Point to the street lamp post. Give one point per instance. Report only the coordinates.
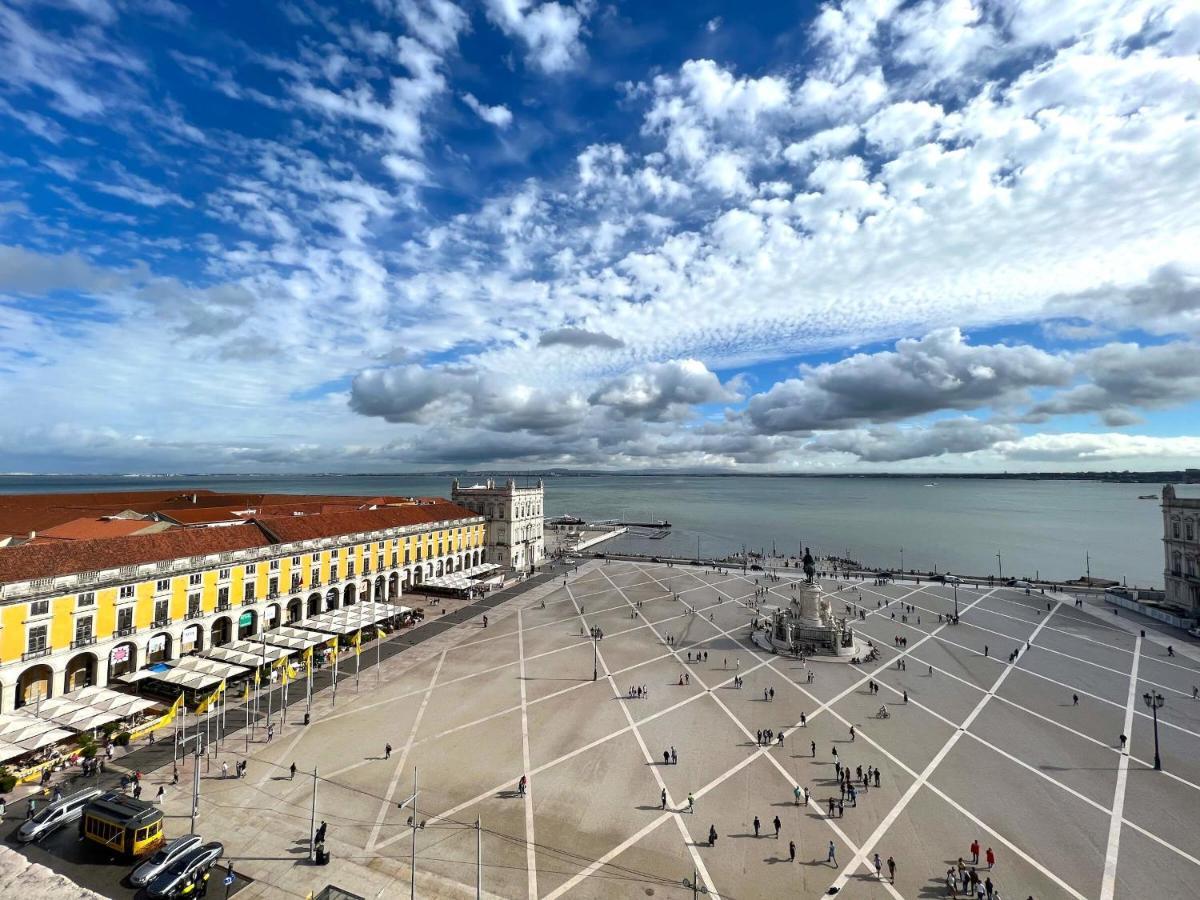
(1155, 701)
(901, 559)
(1000, 564)
(956, 600)
(595, 653)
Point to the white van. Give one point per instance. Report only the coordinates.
(55, 815)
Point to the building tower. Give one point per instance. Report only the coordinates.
(514, 520)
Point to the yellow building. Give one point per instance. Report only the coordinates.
(78, 612)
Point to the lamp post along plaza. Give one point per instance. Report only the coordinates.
(1155, 701)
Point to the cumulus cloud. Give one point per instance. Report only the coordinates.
(498, 115)
(579, 337)
(663, 390)
(891, 443)
(1088, 448)
(940, 371)
(551, 31)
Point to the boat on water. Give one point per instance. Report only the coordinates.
(1147, 496)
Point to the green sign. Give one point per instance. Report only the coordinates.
(247, 618)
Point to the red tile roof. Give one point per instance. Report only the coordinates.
(304, 528)
(88, 529)
(38, 560)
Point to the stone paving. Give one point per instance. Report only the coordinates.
(984, 748)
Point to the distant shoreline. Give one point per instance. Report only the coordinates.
(1190, 476)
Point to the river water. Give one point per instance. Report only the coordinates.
(1039, 528)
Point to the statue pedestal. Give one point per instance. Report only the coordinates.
(810, 608)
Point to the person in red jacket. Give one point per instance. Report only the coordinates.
(975, 852)
(991, 857)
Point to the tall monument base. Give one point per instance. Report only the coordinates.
(807, 626)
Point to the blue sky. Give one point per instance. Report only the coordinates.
(942, 235)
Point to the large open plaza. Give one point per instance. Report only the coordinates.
(984, 749)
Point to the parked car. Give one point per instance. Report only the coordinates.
(167, 856)
(951, 579)
(55, 815)
(1018, 583)
(173, 880)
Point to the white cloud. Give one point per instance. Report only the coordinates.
(498, 115)
(551, 31)
(1082, 448)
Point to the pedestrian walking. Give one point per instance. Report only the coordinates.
(852, 733)
(1124, 740)
(674, 757)
(270, 733)
(292, 772)
(712, 835)
(159, 796)
(757, 825)
(796, 794)
(975, 852)
(831, 857)
(891, 864)
(777, 825)
(691, 803)
(224, 769)
(666, 757)
(1074, 699)
(990, 857)
(137, 792)
(387, 751)
(813, 745)
(320, 835)
(174, 774)
(663, 799)
(791, 851)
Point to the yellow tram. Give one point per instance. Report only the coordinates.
(123, 825)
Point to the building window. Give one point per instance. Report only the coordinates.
(223, 575)
(223, 596)
(39, 608)
(162, 585)
(1191, 566)
(1175, 527)
(350, 569)
(195, 579)
(37, 638)
(295, 560)
(273, 586)
(274, 565)
(314, 576)
(1177, 563)
(1190, 529)
(83, 629)
(193, 604)
(252, 568)
(333, 572)
(162, 611)
(248, 594)
(88, 599)
(125, 620)
(126, 592)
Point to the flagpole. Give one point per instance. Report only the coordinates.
(357, 661)
(336, 642)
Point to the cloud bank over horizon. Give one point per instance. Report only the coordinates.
(933, 235)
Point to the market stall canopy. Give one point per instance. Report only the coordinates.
(260, 650)
(461, 581)
(188, 678)
(293, 638)
(99, 698)
(350, 619)
(28, 732)
(69, 713)
(211, 667)
(237, 657)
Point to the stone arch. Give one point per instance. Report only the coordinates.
(122, 660)
(80, 672)
(332, 599)
(271, 615)
(476, 558)
(393, 584)
(250, 627)
(314, 604)
(36, 681)
(349, 594)
(196, 632)
(441, 569)
(295, 609)
(379, 595)
(428, 571)
(159, 647)
(221, 632)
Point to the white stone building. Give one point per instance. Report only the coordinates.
(514, 516)
(1181, 546)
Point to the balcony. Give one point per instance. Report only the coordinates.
(83, 642)
(161, 623)
(223, 606)
(193, 614)
(273, 595)
(125, 632)
(316, 583)
(249, 601)
(35, 654)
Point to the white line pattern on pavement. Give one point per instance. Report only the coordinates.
(530, 851)
(1109, 885)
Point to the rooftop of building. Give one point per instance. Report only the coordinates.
(70, 543)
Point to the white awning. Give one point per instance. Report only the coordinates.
(29, 732)
(68, 713)
(259, 650)
(210, 667)
(124, 705)
(293, 638)
(461, 581)
(235, 657)
(188, 678)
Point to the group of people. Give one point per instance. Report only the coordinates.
(767, 736)
(637, 692)
(965, 878)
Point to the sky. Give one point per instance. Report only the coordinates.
(405, 235)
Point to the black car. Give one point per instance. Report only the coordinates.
(174, 880)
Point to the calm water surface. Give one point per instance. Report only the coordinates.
(1038, 527)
